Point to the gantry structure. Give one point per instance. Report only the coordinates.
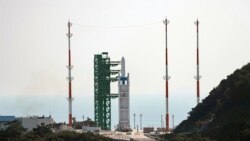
(103, 76)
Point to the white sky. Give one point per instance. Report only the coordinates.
(33, 52)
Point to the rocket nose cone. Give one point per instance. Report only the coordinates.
(123, 61)
(123, 67)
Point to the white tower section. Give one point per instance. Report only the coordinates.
(123, 88)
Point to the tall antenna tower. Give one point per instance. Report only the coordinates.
(134, 120)
(161, 123)
(70, 78)
(197, 77)
(166, 76)
(173, 121)
(140, 121)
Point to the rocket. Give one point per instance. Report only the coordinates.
(124, 106)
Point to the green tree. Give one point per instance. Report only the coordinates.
(13, 132)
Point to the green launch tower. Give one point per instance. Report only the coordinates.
(103, 76)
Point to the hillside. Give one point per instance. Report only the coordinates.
(225, 114)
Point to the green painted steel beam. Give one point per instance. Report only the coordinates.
(113, 96)
(102, 95)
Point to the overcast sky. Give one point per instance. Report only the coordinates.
(33, 52)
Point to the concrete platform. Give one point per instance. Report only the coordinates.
(126, 136)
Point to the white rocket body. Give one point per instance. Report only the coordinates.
(124, 108)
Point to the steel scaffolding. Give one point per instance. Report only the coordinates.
(103, 76)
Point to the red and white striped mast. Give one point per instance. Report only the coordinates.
(70, 99)
(167, 77)
(197, 77)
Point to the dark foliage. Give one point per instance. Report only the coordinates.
(15, 132)
(12, 133)
(225, 114)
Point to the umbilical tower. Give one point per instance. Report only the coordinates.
(103, 76)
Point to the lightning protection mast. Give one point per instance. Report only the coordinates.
(197, 77)
(166, 76)
(70, 99)
(140, 121)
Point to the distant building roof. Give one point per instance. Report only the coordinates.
(7, 118)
